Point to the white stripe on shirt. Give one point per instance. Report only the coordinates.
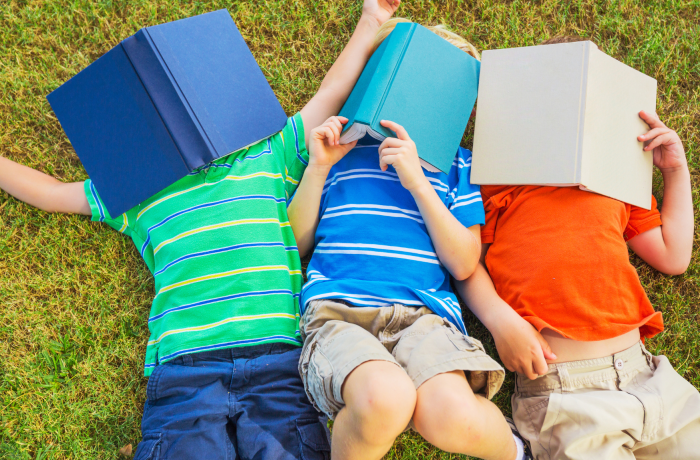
(378, 254)
(376, 213)
(379, 246)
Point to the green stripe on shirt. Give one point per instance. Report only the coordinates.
(222, 252)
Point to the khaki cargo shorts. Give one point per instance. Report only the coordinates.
(339, 337)
(630, 405)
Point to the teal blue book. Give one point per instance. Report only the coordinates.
(422, 82)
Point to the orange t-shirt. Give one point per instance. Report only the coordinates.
(559, 257)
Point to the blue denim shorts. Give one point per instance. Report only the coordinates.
(235, 404)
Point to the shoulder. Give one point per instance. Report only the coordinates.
(463, 162)
(292, 133)
(463, 153)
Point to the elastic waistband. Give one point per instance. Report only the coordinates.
(575, 374)
(230, 354)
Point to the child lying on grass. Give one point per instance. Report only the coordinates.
(385, 344)
(224, 342)
(568, 312)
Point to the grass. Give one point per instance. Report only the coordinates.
(74, 295)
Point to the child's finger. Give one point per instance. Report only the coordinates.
(651, 119)
(390, 142)
(546, 349)
(389, 151)
(653, 133)
(387, 160)
(328, 134)
(336, 133)
(529, 372)
(397, 128)
(660, 140)
(539, 365)
(336, 122)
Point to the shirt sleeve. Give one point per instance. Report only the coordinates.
(642, 220)
(464, 198)
(291, 153)
(100, 214)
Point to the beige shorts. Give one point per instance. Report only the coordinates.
(630, 405)
(339, 337)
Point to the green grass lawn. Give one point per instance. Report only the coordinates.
(75, 295)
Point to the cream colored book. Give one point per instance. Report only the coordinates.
(563, 115)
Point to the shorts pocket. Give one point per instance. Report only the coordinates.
(549, 421)
(314, 441)
(152, 385)
(149, 447)
(463, 342)
(319, 383)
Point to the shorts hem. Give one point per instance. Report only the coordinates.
(495, 373)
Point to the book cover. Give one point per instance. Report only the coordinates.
(563, 115)
(167, 100)
(420, 81)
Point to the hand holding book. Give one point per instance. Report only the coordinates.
(664, 142)
(402, 154)
(325, 149)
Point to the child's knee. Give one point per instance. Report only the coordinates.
(444, 414)
(380, 391)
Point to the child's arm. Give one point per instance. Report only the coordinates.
(340, 79)
(520, 346)
(41, 190)
(325, 150)
(668, 248)
(457, 247)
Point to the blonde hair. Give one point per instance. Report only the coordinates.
(442, 31)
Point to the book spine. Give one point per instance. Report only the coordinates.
(399, 53)
(184, 128)
(381, 80)
(585, 68)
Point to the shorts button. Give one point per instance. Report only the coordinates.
(619, 364)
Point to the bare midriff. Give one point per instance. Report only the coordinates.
(576, 350)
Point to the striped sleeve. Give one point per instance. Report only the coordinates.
(293, 154)
(464, 199)
(100, 214)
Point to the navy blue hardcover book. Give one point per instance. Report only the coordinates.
(165, 101)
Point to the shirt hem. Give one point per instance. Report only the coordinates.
(294, 340)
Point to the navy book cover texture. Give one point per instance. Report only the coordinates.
(165, 101)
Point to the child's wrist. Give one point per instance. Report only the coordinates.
(422, 188)
(370, 20)
(681, 169)
(320, 171)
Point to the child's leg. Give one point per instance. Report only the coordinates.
(450, 416)
(272, 418)
(349, 374)
(379, 400)
(186, 413)
(448, 413)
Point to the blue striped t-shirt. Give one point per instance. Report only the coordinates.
(372, 247)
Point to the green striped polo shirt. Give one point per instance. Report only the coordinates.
(221, 250)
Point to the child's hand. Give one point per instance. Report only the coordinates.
(381, 10)
(401, 153)
(665, 143)
(521, 347)
(325, 149)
